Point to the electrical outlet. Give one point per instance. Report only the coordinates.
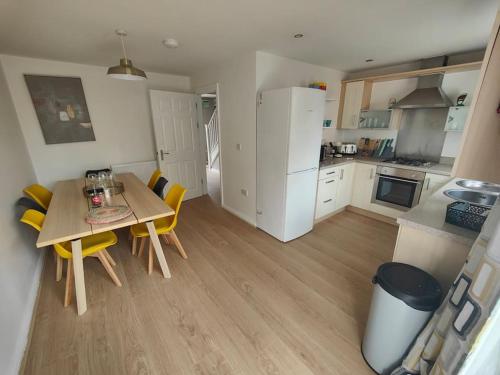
(238, 146)
(244, 192)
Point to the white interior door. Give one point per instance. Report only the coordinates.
(176, 128)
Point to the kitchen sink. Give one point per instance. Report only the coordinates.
(475, 197)
(479, 185)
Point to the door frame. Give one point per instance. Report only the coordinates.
(208, 89)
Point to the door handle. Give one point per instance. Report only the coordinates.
(342, 174)
(371, 174)
(163, 153)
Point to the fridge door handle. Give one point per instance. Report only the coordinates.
(305, 170)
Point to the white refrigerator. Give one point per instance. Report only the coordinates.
(289, 130)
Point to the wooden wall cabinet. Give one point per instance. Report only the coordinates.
(354, 97)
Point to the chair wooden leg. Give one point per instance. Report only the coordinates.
(134, 245)
(109, 258)
(177, 243)
(150, 258)
(68, 293)
(165, 239)
(141, 248)
(59, 266)
(108, 268)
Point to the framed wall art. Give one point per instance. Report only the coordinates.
(61, 108)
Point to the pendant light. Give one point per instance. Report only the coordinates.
(125, 70)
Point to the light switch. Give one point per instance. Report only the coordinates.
(244, 192)
(238, 146)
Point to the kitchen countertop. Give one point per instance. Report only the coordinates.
(429, 216)
(442, 169)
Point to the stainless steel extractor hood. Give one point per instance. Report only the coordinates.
(428, 93)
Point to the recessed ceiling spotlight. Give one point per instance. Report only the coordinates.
(298, 36)
(170, 43)
(369, 60)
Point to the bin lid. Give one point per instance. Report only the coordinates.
(410, 284)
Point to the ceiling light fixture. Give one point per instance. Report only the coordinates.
(125, 70)
(298, 36)
(369, 60)
(170, 43)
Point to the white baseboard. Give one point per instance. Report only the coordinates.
(24, 333)
(243, 217)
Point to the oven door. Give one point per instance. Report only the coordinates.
(395, 192)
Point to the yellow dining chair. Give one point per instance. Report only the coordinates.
(164, 226)
(39, 194)
(94, 246)
(43, 196)
(154, 179)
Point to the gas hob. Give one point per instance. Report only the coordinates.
(412, 162)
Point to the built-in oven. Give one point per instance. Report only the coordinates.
(397, 188)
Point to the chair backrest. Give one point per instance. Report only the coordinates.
(30, 204)
(35, 219)
(96, 171)
(154, 179)
(39, 194)
(174, 199)
(160, 186)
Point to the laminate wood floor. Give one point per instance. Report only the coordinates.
(243, 303)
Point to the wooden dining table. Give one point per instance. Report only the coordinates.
(68, 209)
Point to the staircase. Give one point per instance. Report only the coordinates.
(212, 134)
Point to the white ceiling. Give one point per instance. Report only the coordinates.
(338, 33)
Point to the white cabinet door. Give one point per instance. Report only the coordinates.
(352, 104)
(344, 187)
(364, 175)
(325, 199)
(432, 182)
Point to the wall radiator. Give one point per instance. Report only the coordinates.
(142, 169)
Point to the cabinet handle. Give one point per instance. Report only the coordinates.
(428, 183)
(354, 121)
(329, 182)
(342, 174)
(371, 174)
(328, 200)
(332, 172)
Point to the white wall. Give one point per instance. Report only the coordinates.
(274, 72)
(237, 110)
(20, 262)
(119, 111)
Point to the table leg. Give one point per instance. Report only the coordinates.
(158, 250)
(81, 297)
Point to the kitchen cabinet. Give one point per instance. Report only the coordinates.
(344, 185)
(327, 192)
(455, 121)
(441, 256)
(354, 97)
(364, 177)
(432, 182)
